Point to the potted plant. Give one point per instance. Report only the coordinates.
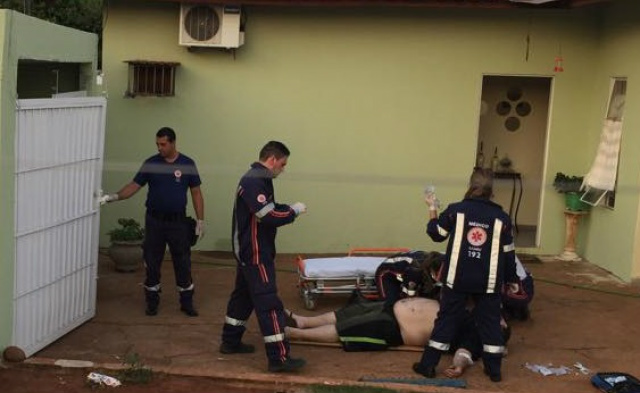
(570, 186)
(126, 245)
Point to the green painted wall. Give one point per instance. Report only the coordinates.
(25, 37)
(612, 236)
(374, 104)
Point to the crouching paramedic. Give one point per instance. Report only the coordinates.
(515, 304)
(480, 257)
(256, 217)
(408, 274)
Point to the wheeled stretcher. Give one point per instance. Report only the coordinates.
(341, 275)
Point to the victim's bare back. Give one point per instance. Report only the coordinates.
(415, 317)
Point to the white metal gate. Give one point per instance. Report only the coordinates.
(58, 149)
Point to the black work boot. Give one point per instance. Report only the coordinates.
(153, 300)
(427, 364)
(493, 376)
(186, 303)
(427, 372)
(229, 349)
(492, 366)
(287, 365)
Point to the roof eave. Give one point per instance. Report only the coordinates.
(489, 4)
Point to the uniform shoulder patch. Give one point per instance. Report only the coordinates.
(261, 198)
(477, 236)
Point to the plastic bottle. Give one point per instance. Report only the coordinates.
(495, 161)
(480, 158)
(429, 190)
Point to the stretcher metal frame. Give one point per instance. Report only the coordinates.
(311, 288)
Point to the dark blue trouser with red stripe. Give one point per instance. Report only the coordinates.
(486, 314)
(255, 289)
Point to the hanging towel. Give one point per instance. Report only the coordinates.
(602, 174)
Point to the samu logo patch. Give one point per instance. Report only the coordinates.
(476, 236)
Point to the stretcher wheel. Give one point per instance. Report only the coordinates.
(308, 297)
(309, 301)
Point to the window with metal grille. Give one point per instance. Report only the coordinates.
(151, 78)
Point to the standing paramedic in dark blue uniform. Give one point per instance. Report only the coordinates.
(169, 175)
(480, 257)
(256, 217)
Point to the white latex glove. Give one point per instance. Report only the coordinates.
(514, 287)
(432, 201)
(299, 208)
(107, 198)
(200, 229)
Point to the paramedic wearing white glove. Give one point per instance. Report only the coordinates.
(256, 218)
(169, 175)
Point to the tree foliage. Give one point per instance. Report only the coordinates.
(83, 15)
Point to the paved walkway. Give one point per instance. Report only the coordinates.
(580, 314)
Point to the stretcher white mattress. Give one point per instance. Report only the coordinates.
(341, 267)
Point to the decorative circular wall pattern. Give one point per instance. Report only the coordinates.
(514, 93)
(523, 108)
(512, 123)
(503, 108)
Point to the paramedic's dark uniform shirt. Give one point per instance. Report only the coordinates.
(256, 217)
(480, 252)
(168, 182)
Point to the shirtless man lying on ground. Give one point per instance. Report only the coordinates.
(370, 326)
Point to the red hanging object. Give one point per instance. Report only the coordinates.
(558, 64)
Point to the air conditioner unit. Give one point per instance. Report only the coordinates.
(208, 25)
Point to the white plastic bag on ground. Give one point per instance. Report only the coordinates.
(101, 379)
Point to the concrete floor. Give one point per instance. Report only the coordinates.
(580, 313)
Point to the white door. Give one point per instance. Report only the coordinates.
(58, 149)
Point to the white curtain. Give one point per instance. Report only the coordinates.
(602, 174)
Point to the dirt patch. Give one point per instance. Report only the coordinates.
(45, 379)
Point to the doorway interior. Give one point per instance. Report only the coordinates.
(512, 139)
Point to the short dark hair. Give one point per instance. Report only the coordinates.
(274, 148)
(168, 132)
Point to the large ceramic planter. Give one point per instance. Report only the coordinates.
(126, 255)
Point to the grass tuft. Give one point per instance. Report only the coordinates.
(135, 372)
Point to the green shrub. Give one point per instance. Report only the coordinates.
(564, 183)
(129, 230)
